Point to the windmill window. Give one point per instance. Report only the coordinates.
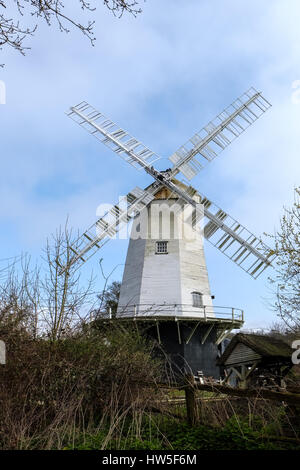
(197, 299)
(161, 248)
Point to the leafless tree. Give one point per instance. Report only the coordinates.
(109, 297)
(14, 30)
(286, 280)
(64, 300)
(41, 299)
(15, 308)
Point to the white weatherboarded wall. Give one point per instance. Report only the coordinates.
(151, 280)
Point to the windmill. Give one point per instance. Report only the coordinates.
(165, 282)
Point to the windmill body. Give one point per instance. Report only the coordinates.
(165, 282)
(165, 271)
(165, 286)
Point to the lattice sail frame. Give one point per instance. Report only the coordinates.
(110, 134)
(225, 233)
(220, 229)
(107, 226)
(213, 138)
(234, 240)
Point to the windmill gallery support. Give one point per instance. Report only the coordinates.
(165, 282)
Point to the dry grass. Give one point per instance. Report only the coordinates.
(52, 392)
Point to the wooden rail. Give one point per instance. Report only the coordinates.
(191, 387)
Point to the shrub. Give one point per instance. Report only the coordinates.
(51, 390)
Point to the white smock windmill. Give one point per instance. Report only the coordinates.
(165, 276)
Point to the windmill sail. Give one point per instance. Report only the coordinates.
(205, 145)
(107, 226)
(220, 229)
(224, 232)
(113, 136)
(234, 240)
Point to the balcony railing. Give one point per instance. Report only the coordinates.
(179, 311)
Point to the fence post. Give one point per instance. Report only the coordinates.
(191, 402)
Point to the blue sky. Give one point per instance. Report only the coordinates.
(161, 76)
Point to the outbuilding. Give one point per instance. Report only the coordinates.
(256, 360)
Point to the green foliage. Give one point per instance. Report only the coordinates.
(109, 299)
(235, 435)
(95, 442)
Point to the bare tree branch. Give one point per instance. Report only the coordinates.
(13, 33)
(286, 281)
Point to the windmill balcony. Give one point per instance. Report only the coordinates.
(206, 313)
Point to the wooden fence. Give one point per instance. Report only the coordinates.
(191, 387)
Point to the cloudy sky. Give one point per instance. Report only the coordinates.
(161, 76)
